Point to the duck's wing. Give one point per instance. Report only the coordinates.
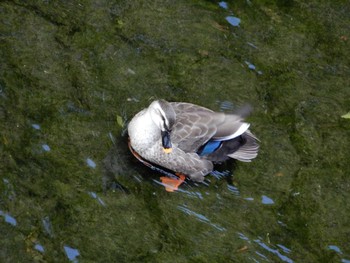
(196, 125)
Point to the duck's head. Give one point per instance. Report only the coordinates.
(163, 115)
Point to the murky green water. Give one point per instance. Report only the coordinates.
(71, 191)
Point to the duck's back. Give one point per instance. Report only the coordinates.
(195, 126)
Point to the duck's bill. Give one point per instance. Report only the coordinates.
(166, 142)
(167, 150)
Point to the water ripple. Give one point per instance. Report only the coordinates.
(233, 189)
(335, 248)
(269, 249)
(274, 251)
(95, 196)
(200, 217)
(188, 193)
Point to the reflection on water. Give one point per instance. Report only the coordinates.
(47, 226)
(285, 249)
(220, 174)
(191, 193)
(253, 67)
(71, 107)
(281, 223)
(46, 148)
(200, 217)
(195, 194)
(70, 75)
(274, 251)
(225, 105)
(223, 5)
(270, 249)
(95, 196)
(90, 163)
(233, 189)
(39, 248)
(250, 65)
(338, 250)
(335, 248)
(242, 236)
(252, 45)
(266, 200)
(9, 191)
(71, 253)
(36, 126)
(111, 136)
(234, 21)
(8, 218)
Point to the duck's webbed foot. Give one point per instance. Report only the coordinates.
(172, 184)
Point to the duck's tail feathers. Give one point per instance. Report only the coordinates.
(249, 150)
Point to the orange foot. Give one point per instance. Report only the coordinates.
(172, 184)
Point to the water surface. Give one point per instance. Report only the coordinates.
(72, 75)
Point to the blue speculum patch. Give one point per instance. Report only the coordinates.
(209, 148)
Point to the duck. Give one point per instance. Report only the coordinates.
(189, 139)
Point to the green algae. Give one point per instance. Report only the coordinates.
(79, 70)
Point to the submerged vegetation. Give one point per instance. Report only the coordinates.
(73, 73)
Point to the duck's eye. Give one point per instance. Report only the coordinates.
(166, 123)
(166, 128)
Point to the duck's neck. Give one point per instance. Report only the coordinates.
(143, 132)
